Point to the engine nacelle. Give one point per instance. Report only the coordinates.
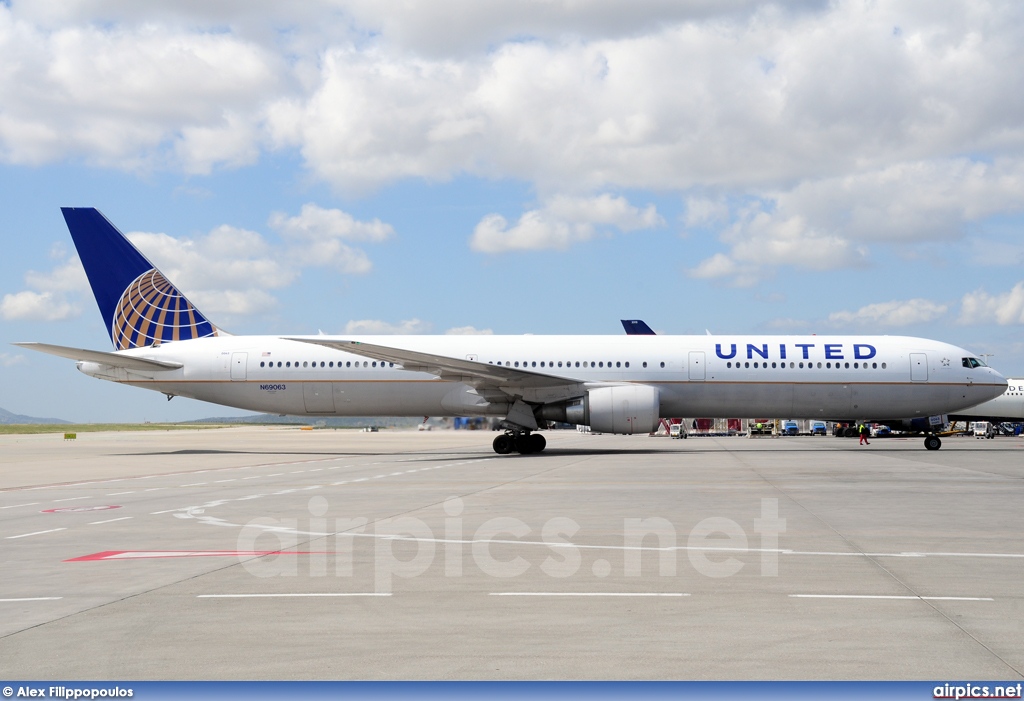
(627, 409)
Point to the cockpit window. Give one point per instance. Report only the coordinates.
(974, 363)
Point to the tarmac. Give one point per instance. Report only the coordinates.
(277, 553)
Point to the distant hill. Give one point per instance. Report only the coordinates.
(7, 417)
(332, 421)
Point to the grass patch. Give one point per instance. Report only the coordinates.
(20, 429)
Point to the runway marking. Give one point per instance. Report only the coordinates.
(57, 501)
(34, 598)
(361, 479)
(271, 596)
(157, 513)
(26, 535)
(195, 484)
(161, 554)
(118, 494)
(111, 520)
(153, 489)
(585, 593)
(317, 469)
(254, 477)
(872, 596)
(16, 506)
(334, 484)
(251, 496)
(233, 479)
(297, 472)
(276, 474)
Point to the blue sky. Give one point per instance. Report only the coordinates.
(524, 167)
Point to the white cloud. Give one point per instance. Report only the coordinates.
(381, 328)
(230, 271)
(314, 222)
(561, 222)
(315, 237)
(468, 331)
(118, 94)
(7, 360)
(36, 306)
(895, 313)
(979, 307)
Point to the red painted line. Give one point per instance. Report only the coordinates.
(165, 554)
(67, 509)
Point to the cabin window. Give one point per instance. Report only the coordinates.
(847, 365)
(288, 364)
(261, 363)
(746, 365)
(883, 366)
(645, 363)
(627, 363)
(662, 363)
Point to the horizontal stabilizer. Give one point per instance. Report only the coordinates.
(117, 360)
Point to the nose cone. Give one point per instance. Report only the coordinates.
(986, 384)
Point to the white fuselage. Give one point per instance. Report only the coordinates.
(1009, 406)
(834, 377)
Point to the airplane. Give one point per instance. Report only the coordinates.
(1006, 408)
(614, 384)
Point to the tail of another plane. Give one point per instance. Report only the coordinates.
(140, 307)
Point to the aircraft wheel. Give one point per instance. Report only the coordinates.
(538, 442)
(524, 444)
(503, 444)
(850, 432)
(932, 443)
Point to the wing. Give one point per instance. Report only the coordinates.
(117, 360)
(494, 382)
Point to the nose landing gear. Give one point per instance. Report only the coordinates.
(932, 442)
(521, 442)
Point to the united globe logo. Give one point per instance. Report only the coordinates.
(152, 310)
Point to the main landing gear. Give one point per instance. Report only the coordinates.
(932, 442)
(524, 443)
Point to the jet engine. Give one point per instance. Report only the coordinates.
(625, 409)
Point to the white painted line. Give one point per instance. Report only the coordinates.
(16, 506)
(153, 489)
(228, 480)
(585, 593)
(297, 472)
(911, 598)
(276, 474)
(26, 535)
(377, 477)
(35, 598)
(251, 496)
(253, 477)
(319, 469)
(396, 474)
(157, 513)
(123, 518)
(269, 596)
(119, 494)
(361, 479)
(57, 501)
(335, 484)
(195, 484)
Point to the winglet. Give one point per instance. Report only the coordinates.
(636, 327)
(140, 306)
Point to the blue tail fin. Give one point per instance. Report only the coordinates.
(140, 307)
(636, 327)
